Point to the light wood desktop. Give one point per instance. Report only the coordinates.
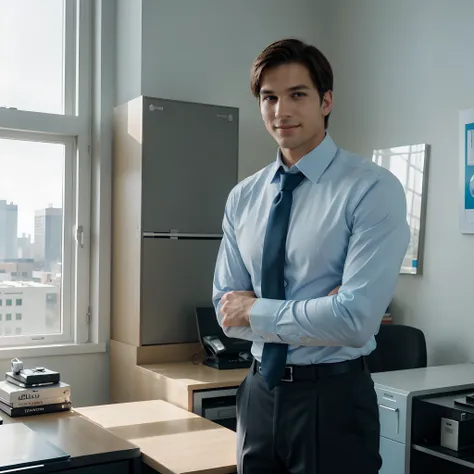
(172, 440)
(182, 380)
(164, 373)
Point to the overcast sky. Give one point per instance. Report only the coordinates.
(31, 78)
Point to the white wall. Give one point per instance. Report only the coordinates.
(202, 51)
(402, 71)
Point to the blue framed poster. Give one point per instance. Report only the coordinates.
(466, 168)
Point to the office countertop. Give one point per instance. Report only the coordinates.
(83, 440)
(195, 376)
(419, 381)
(172, 440)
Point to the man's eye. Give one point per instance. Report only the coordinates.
(298, 95)
(269, 98)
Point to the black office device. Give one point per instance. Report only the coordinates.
(222, 352)
(31, 377)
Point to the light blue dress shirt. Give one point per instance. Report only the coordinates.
(347, 226)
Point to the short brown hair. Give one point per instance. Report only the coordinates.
(288, 51)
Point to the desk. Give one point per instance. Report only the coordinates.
(93, 450)
(396, 392)
(185, 384)
(166, 373)
(172, 440)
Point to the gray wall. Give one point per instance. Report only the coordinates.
(202, 51)
(403, 70)
(129, 49)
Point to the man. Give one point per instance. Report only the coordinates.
(312, 249)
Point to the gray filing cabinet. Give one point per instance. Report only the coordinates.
(395, 392)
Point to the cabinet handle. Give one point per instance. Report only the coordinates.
(394, 410)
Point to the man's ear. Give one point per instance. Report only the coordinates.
(327, 103)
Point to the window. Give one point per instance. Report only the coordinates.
(9, 317)
(0, 316)
(1, 302)
(8, 331)
(45, 122)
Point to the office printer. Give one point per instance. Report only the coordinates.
(222, 352)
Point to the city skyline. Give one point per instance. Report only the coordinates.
(31, 176)
(31, 233)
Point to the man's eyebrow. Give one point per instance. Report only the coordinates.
(290, 89)
(299, 87)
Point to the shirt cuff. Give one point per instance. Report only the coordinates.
(263, 318)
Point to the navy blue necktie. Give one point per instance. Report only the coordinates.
(273, 264)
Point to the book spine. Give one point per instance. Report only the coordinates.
(38, 401)
(34, 395)
(27, 411)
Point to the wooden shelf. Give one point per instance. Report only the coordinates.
(464, 458)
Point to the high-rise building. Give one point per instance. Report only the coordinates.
(48, 237)
(25, 246)
(8, 230)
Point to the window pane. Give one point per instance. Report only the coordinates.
(31, 233)
(32, 55)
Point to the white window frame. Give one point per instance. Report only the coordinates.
(73, 129)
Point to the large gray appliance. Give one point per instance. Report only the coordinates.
(190, 159)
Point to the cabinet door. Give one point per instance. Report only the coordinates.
(393, 457)
(176, 278)
(190, 157)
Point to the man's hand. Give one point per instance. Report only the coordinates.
(235, 308)
(335, 291)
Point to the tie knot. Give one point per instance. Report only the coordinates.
(289, 181)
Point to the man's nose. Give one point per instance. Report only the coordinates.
(283, 108)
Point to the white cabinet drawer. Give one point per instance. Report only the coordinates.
(393, 457)
(392, 410)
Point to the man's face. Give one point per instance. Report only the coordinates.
(291, 107)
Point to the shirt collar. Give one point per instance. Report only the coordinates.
(311, 165)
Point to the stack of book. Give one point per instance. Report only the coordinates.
(23, 401)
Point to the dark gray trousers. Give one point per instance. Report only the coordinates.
(327, 426)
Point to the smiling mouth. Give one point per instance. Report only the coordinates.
(286, 129)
